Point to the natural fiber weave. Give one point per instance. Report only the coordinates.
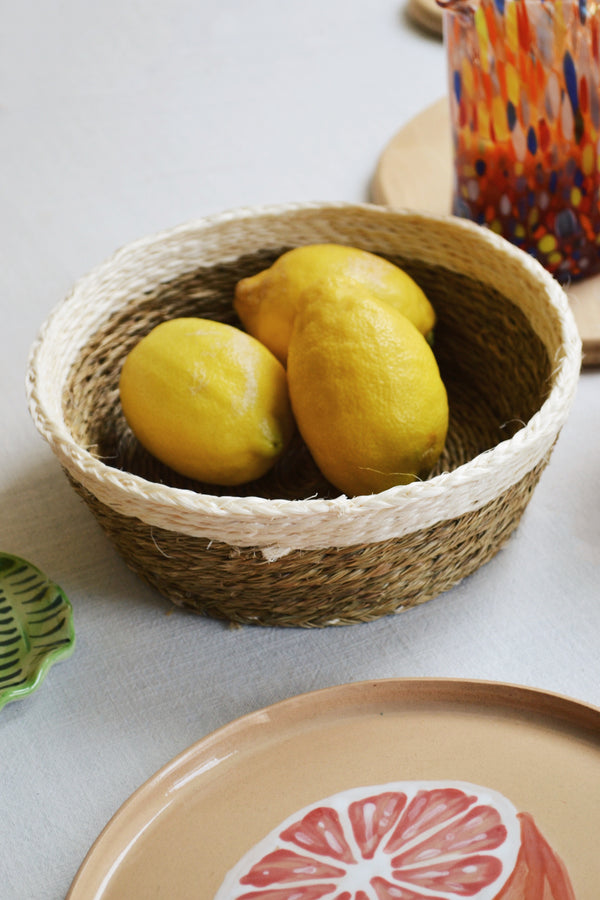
(508, 352)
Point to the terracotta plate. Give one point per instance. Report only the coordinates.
(180, 833)
(414, 171)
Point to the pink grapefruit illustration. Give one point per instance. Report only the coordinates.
(403, 841)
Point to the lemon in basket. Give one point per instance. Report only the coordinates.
(367, 394)
(208, 400)
(267, 302)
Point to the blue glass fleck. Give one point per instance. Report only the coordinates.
(457, 85)
(571, 80)
(511, 115)
(566, 223)
(532, 140)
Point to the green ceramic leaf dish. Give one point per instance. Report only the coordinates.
(36, 627)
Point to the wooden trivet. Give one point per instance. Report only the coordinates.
(427, 14)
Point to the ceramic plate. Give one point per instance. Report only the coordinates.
(36, 627)
(179, 834)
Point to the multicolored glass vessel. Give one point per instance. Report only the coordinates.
(524, 92)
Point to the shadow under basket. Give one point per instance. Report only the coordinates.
(288, 550)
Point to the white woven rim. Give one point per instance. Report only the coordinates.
(277, 526)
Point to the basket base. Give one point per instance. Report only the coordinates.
(314, 588)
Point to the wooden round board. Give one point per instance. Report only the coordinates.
(427, 14)
(415, 171)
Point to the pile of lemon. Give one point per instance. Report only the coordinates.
(337, 344)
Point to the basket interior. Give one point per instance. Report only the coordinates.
(495, 368)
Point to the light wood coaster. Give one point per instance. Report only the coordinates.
(415, 172)
(427, 14)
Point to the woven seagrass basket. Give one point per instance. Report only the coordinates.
(288, 550)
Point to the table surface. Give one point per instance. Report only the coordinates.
(119, 120)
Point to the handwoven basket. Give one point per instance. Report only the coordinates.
(288, 550)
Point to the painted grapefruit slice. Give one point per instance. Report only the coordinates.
(402, 841)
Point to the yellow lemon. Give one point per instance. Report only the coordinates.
(267, 302)
(208, 400)
(367, 394)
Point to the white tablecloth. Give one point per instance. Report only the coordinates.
(118, 119)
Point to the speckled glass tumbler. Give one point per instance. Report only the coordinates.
(524, 93)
